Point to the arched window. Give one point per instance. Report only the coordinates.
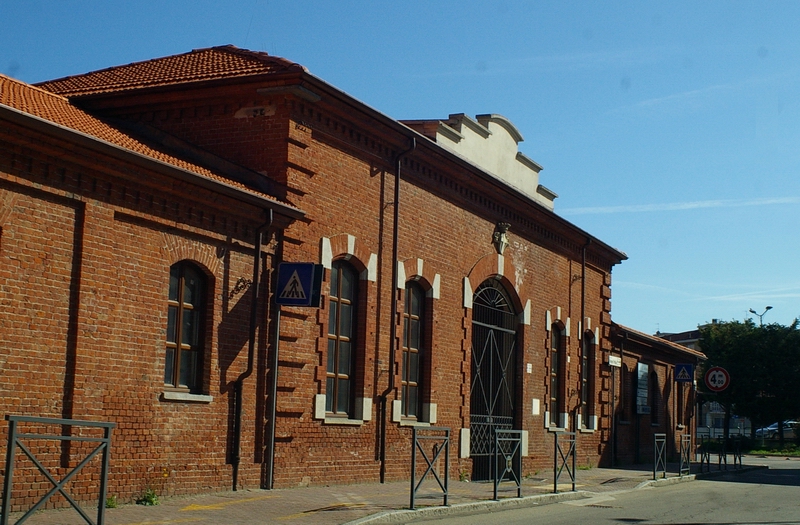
(413, 353)
(587, 379)
(655, 398)
(342, 321)
(186, 312)
(557, 365)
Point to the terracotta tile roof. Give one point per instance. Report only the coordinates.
(59, 111)
(197, 65)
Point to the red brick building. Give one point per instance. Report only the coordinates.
(648, 396)
(132, 206)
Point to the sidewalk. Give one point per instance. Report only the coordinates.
(362, 504)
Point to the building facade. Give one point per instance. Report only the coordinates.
(654, 392)
(452, 294)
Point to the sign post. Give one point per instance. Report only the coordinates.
(298, 284)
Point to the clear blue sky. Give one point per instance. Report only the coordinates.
(670, 130)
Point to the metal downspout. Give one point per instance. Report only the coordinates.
(239, 385)
(273, 403)
(393, 314)
(582, 335)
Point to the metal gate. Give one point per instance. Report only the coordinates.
(494, 368)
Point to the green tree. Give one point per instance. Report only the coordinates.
(763, 363)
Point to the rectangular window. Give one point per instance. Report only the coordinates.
(413, 355)
(587, 376)
(556, 396)
(342, 316)
(183, 364)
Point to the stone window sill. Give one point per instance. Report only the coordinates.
(185, 397)
(413, 423)
(343, 421)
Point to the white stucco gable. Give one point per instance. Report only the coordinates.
(491, 142)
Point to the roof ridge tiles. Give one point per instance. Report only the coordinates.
(212, 63)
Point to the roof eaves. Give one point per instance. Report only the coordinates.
(425, 141)
(99, 145)
(658, 341)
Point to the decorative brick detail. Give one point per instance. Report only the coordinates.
(498, 267)
(416, 270)
(176, 249)
(7, 200)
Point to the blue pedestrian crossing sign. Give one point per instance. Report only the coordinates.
(298, 284)
(684, 373)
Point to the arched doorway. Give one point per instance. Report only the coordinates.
(494, 372)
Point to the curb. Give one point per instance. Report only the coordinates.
(476, 507)
(718, 473)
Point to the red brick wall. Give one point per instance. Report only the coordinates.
(335, 173)
(84, 270)
(341, 175)
(635, 432)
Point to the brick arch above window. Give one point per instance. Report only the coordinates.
(556, 315)
(176, 249)
(416, 270)
(494, 266)
(7, 201)
(348, 247)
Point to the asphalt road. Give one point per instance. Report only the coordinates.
(757, 497)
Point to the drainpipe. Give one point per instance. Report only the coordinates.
(393, 314)
(273, 400)
(581, 336)
(239, 384)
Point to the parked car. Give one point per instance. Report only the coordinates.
(771, 432)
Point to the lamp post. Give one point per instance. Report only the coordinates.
(761, 323)
(761, 315)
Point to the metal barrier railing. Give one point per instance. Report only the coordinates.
(558, 453)
(722, 454)
(15, 438)
(508, 457)
(686, 461)
(659, 455)
(705, 454)
(737, 452)
(442, 435)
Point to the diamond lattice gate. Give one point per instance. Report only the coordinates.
(494, 369)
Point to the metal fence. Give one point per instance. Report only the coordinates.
(507, 458)
(686, 460)
(724, 448)
(564, 461)
(15, 441)
(440, 437)
(659, 455)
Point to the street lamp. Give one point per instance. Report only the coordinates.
(761, 315)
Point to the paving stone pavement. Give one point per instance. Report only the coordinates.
(365, 503)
